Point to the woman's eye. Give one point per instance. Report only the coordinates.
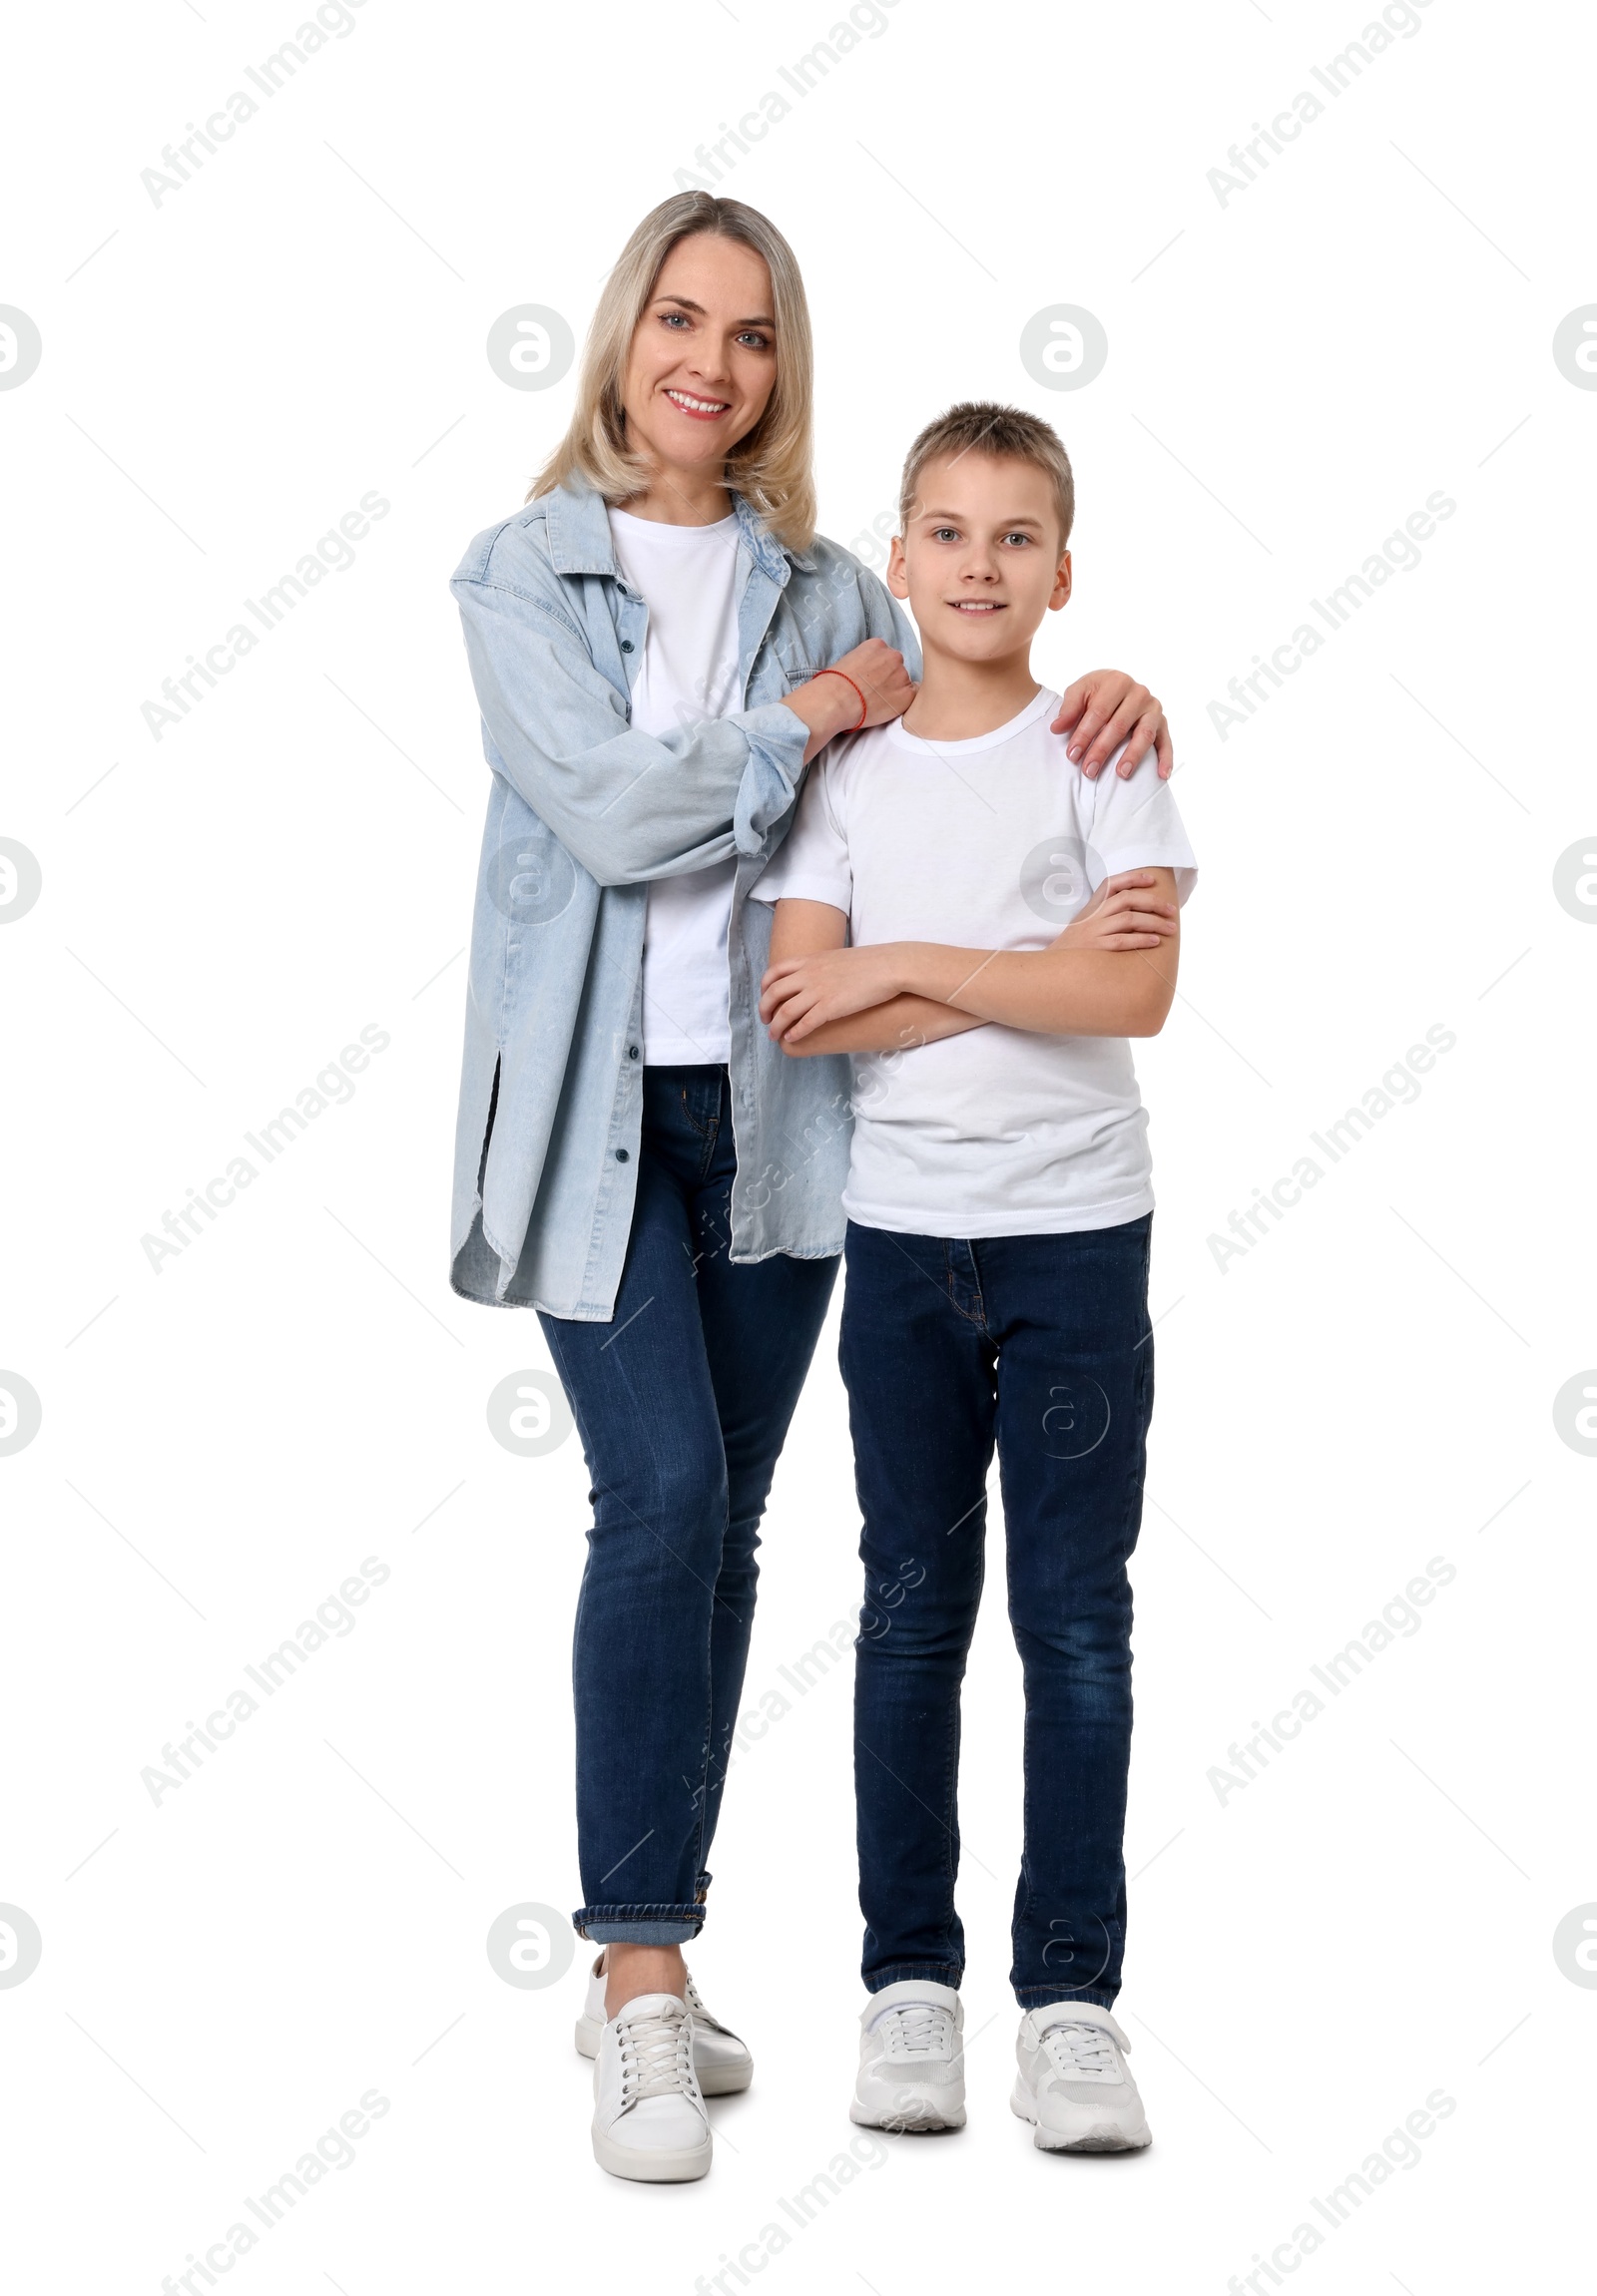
(674, 319)
(755, 341)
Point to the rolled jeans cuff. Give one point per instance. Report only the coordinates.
(1052, 1996)
(639, 1925)
(948, 1973)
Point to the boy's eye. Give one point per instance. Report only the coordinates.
(945, 534)
(1017, 537)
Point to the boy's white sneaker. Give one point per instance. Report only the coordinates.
(649, 2118)
(1074, 2085)
(911, 2074)
(720, 2058)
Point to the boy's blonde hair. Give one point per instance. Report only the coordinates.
(771, 467)
(982, 426)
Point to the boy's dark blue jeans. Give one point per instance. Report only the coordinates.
(1042, 1345)
(682, 1402)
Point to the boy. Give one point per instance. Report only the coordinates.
(984, 929)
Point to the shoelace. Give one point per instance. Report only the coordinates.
(1077, 2049)
(656, 2055)
(919, 2029)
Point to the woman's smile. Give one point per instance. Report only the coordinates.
(701, 409)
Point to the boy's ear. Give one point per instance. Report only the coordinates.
(898, 572)
(1061, 591)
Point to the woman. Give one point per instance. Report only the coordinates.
(660, 645)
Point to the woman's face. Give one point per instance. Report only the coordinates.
(703, 363)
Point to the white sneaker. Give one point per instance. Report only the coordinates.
(911, 2059)
(1074, 2085)
(720, 2058)
(649, 2119)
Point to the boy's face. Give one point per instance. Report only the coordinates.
(980, 560)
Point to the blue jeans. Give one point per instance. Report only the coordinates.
(1040, 1343)
(683, 1403)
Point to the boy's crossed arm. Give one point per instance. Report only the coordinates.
(1111, 973)
(879, 1021)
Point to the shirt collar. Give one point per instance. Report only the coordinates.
(580, 542)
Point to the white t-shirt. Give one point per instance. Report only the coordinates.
(994, 843)
(687, 576)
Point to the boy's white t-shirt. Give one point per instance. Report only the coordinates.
(994, 843)
(687, 576)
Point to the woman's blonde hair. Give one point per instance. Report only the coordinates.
(770, 467)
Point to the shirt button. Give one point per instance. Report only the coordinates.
(632, 1052)
(621, 1155)
(626, 645)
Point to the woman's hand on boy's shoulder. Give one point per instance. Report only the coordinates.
(1106, 707)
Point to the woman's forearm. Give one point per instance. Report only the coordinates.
(1057, 992)
(627, 805)
(901, 1025)
(827, 706)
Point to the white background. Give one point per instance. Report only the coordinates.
(1289, 375)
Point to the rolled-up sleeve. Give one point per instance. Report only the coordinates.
(630, 806)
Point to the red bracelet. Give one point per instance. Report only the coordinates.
(864, 707)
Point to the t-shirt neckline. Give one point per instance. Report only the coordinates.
(1043, 700)
(683, 534)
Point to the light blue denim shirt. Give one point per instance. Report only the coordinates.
(584, 811)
